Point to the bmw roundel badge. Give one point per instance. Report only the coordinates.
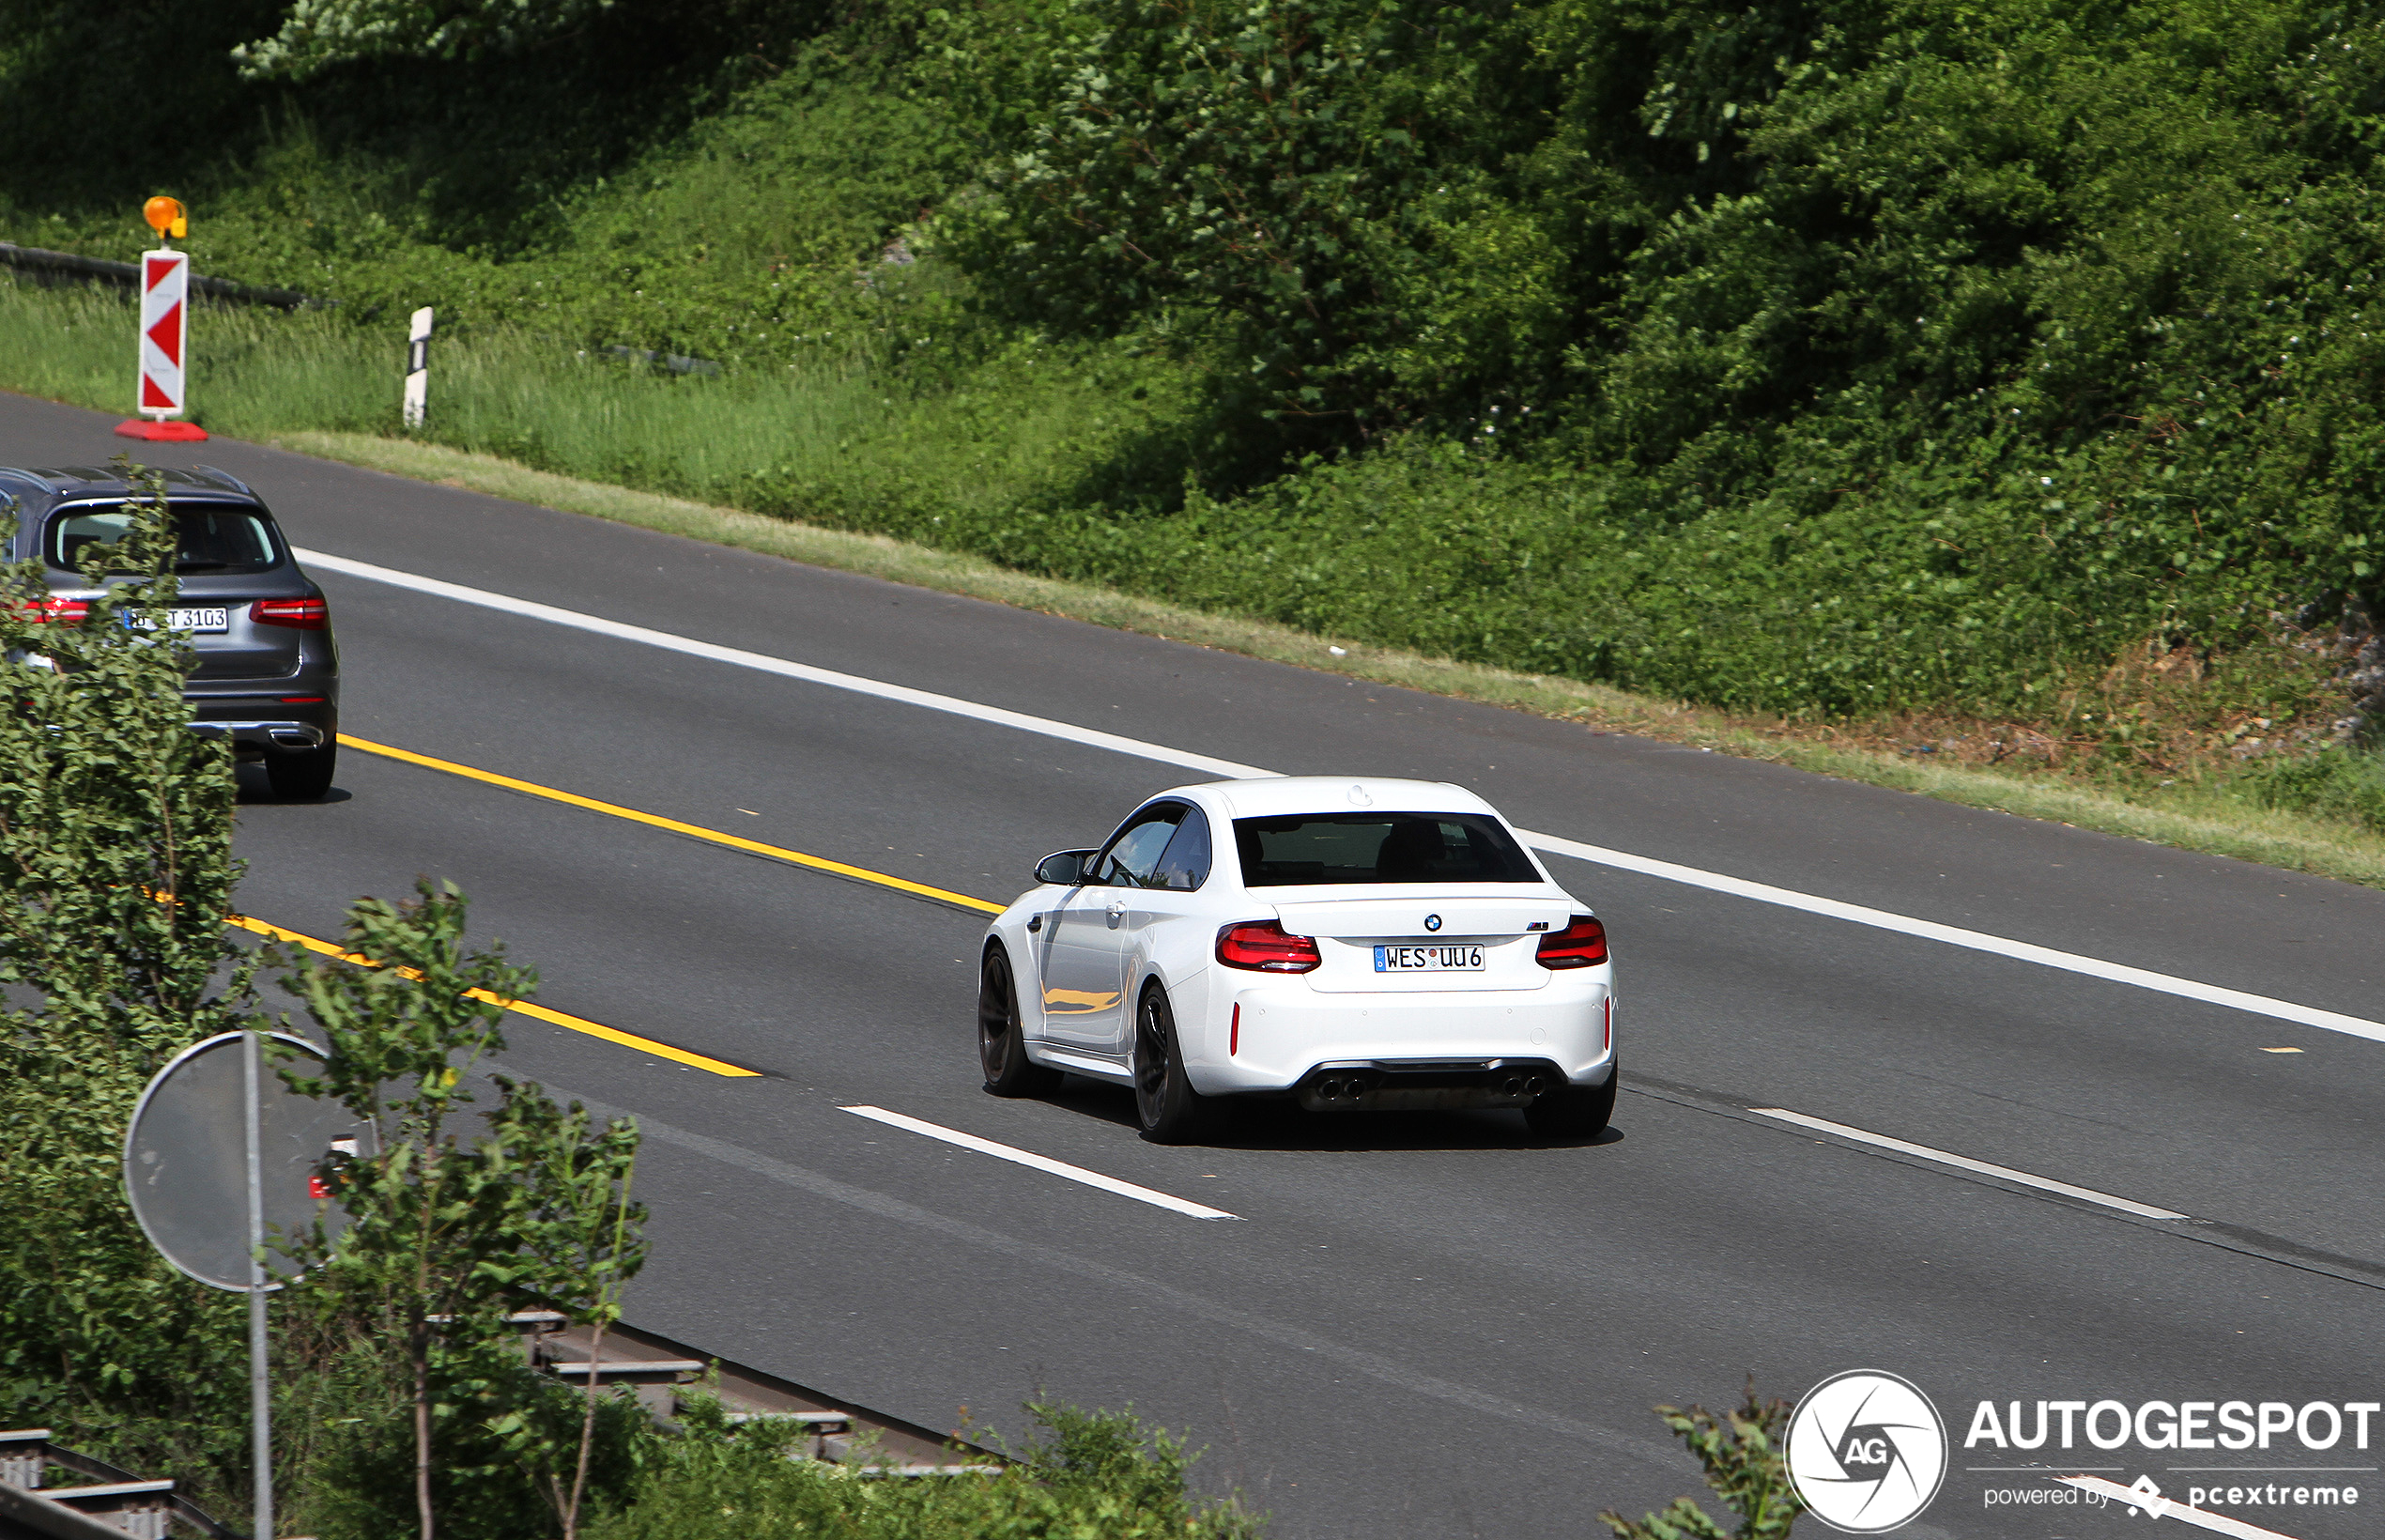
(1432, 922)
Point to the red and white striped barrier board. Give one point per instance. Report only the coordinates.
(165, 335)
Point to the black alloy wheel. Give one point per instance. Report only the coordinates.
(1573, 1112)
(302, 775)
(1166, 1106)
(1002, 1049)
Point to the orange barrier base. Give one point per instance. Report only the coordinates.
(159, 430)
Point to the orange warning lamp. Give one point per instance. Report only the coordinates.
(166, 218)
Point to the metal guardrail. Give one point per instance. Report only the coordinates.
(868, 1443)
(57, 266)
(678, 363)
(113, 1504)
(29, 1515)
(66, 264)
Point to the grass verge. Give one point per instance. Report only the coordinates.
(2188, 816)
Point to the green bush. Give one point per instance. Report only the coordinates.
(1098, 1476)
(1849, 358)
(115, 870)
(346, 1435)
(2343, 783)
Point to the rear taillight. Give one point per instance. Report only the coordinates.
(297, 614)
(1262, 945)
(1582, 944)
(57, 611)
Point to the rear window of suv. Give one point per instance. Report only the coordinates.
(1333, 848)
(209, 537)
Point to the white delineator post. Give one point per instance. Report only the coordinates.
(418, 367)
(162, 390)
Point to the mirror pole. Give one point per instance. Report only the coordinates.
(260, 1385)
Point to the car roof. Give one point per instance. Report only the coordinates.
(1273, 796)
(59, 482)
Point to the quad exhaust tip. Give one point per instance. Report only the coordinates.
(1348, 1088)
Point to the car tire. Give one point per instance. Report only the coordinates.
(1166, 1107)
(1574, 1112)
(1002, 1044)
(301, 775)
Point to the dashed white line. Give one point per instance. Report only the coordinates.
(1952, 935)
(1964, 1162)
(1042, 1162)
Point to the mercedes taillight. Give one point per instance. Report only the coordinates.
(297, 614)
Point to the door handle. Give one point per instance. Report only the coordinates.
(1117, 912)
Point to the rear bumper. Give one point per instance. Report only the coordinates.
(289, 721)
(1453, 1049)
(1397, 1085)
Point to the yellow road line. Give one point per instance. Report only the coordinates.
(577, 1023)
(817, 863)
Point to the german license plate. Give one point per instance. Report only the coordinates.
(1428, 960)
(198, 620)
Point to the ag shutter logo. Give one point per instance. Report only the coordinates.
(1867, 1450)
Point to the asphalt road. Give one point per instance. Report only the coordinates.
(1418, 1325)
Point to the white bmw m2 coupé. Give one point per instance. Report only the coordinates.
(1349, 943)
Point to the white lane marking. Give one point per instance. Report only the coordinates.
(1977, 941)
(804, 672)
(1964, 1162)
(1042, 1162)
(2162, 1507)
(1952, 935)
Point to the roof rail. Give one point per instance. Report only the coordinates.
(227, 479)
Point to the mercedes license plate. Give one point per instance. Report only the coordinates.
(199, 619)
(1428, 960)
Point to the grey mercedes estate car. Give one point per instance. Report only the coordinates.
(268, 674)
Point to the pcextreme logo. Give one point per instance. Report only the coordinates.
(1867, 1450)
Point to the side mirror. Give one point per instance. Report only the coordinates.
(1063, 868)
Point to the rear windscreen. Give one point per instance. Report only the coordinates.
(1309, 848)
(208, 537)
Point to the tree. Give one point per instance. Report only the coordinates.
(445, 1226)
(1740, 1452)
(115, 872)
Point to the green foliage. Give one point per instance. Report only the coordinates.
(1744, 1463)
(116, 871)
(1100, 1476)
(1830, 359)
(2343, 783)
(1853, 358)
(346, 1430)
(317, 34)
(1317, 175)
(442, 1232)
